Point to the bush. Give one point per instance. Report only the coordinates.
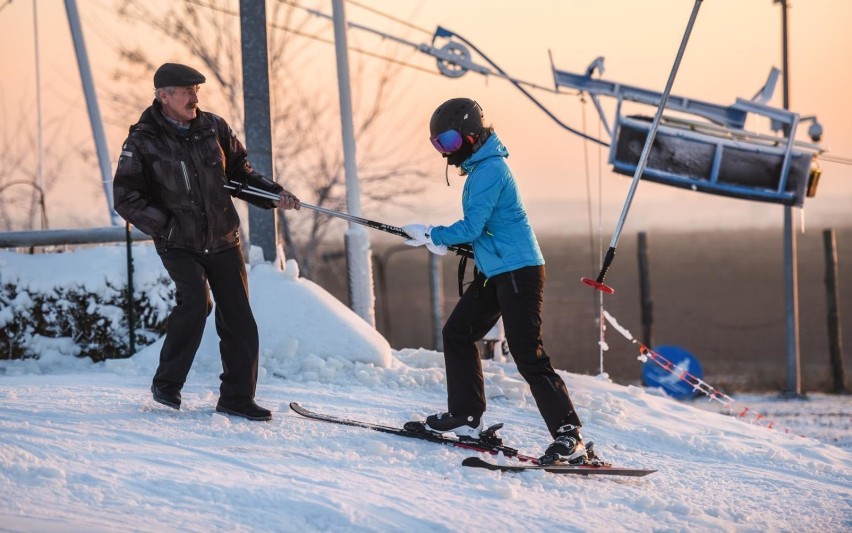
(82, 319)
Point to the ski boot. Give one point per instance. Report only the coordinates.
(567, 448)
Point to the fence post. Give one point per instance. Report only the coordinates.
(131, 315)
(645, 303)
(832, 289)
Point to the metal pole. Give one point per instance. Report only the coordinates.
(262, 222)
(131, 315)
(382, 295)
(791, 306)
(66, 237)
(437, 301)
(382, 263)
(785, 57)
(92, 105)
(460, 249)
(643, 158)
(357, 239)
(652, 133)
(40, 145)
(791, 268)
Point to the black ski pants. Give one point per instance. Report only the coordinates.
(194, 276)
(518, 297)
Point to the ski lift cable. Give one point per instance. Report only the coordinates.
(107, 33)
(314, 37)
(355, 25)
(388, 16)
(368, 53)
(456, 56)
(835, 159)
(598, 302)
(601, 321)
(587, 175)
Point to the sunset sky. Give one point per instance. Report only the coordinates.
(732, 48)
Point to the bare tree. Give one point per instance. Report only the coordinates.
(22, 199)
(305, 126)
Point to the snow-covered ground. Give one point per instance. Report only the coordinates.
(84, 448)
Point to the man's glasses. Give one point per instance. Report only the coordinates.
(447, 142)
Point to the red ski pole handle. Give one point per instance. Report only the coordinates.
(598, 283)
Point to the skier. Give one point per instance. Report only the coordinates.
(508, 281)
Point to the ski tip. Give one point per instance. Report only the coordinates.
(583, 470)
(473, 461)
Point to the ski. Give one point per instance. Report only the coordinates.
(488, 442)
(583, 470)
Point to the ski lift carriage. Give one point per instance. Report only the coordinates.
(709, 150)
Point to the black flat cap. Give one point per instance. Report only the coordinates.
(177, 75)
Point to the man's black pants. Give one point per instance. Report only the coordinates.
(195, 275)
(518, 296)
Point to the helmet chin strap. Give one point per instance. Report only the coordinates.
(447, 173)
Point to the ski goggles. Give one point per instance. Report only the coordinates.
(447, 142)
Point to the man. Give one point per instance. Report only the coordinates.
(170, 183)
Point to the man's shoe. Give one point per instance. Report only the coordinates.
(249, 410)
(568, 447)
(462, 426)
(166, 395)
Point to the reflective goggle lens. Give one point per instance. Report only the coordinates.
(447, 142)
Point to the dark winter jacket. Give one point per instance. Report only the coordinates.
(170, 184)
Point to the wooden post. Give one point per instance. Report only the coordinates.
(645, 303)
(832, 290)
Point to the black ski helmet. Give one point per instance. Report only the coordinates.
(461, 114)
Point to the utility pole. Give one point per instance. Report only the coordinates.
(791, 268)
(258, 128)
(359, 267)
(92, 104)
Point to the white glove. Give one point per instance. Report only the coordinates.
(419, 234)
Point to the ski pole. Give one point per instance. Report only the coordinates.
(643, 159)
(460, 249)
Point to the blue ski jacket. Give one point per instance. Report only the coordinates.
(494, 220)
